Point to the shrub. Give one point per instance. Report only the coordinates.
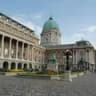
(4, 70)
(50, 72)
(16, 70)
(42, 72)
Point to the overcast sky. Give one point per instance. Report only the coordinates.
(76, 18)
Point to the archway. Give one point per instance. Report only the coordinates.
(5, 65)
(19, 66)
(25, 66)
(13, 65)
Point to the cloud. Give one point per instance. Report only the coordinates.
(88, 34)
(25, 21)
(90, 29)
(74, 37)
(38, 16)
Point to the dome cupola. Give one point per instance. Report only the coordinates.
(50, 24)
(50, 34)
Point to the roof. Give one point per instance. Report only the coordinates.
(83, 42)
(22, 26)
(59, 46)
(50, 24)
(67, 46)
(1, 14)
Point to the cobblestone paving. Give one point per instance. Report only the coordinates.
(14, 86)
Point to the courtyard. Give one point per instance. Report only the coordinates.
(17, 86)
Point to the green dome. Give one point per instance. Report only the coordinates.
(50, 24)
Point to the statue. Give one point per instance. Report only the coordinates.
(52, 65)
(53, 59)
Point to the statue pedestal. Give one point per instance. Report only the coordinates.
(52, 67)
(68, 75)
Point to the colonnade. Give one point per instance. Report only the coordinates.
(20, 49)
(13, 52)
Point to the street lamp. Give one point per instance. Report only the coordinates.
(87, 59)
(64, 62)
(68, 56)
(68, 67)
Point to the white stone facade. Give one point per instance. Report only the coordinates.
(51, 38)
(17, 46)
(20, 49)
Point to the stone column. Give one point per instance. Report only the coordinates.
(10, 44)
(2, 47)
(87, 58)
(73, 57)
(32, 53)
(28, 65)
(9, 66)
(43, 58)
(22, 50)
(28, 53)
(17, 50)
(76, 56)
(1, 64)
(16, 66)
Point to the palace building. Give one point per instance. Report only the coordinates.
(20, 48)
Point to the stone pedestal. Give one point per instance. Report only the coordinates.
(68, 76)
(52, 67)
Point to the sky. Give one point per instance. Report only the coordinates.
(76, 18)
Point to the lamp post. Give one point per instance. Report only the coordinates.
(68, 67)
(88, 59)
(70, 61)
(64, 62)
(68, 55)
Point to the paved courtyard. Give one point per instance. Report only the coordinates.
(15, 86)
